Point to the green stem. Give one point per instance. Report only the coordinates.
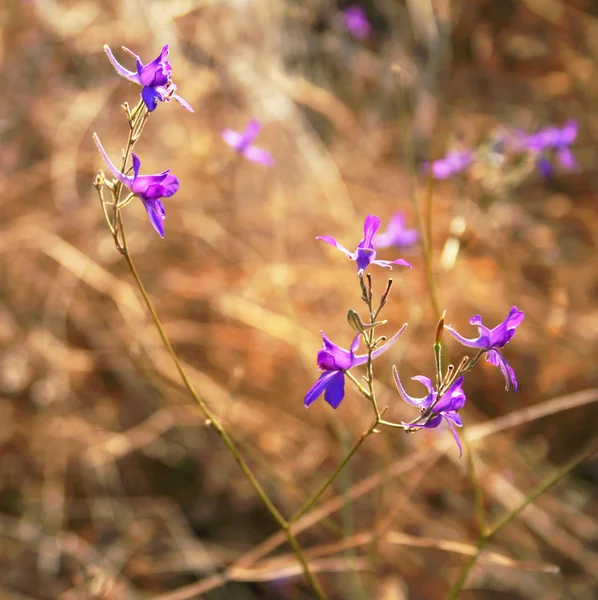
(222, 433)
(137, 121)
(426, 245)
(485, 537)
(307, 506)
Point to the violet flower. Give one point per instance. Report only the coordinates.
(552, 139)
(490, 340)
(149, 188)
(155, 78)
(396, 234)
(447, 408)
(242, 143)
(365, 254)
(454, 162)
(356, 22)
(334, 361)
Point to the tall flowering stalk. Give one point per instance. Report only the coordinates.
(445, 396)
(157, 86)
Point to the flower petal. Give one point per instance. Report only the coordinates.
(335, 390)
(419, 402)
(569, 132)
(470, 343)
(318, 387)
(330, 240)
(363, 358)
(136, 165)
(157, 72)
(387, 264)
(454, 418)
(494, 357)
(232, 138)
(453, 399)
(183, 102)
(566, 159)
(251, 131)
(257, 155)
(128, 181)
(130, 75)
(332, 357)
(545, 168)
(150, 97)
(425, 381)
(156, 213)
(370, 227)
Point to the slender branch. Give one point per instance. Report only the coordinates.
(307, 506)
(222, 433)
(485, 537)
(425, 244)
(137, 119)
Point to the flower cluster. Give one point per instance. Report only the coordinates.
(365, 254)
(356, 22)
(442, 402)
(155, 79)
(542, 146)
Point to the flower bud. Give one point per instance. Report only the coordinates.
(355, 321)
(440, 329)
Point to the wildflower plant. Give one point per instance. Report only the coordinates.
(157, 86)
(445, 391)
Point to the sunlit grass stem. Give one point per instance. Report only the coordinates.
(486, 536)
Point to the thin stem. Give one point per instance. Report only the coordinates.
(332, 477)
(477, 488)
(485, 537)
(424, 242)
(222, 433)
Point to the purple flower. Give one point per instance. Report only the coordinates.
(365, 254)
(447, 408)
(356, 22)
(396, 234)
(490, 340)
(334, 361)
(552, 139)
(149, 188)
(241, 142)
(155, 78)
(454, 162)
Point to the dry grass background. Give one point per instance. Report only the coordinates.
(111, 485)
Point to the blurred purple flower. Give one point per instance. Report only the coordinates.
(356, 22)
(334, 361)
(365, 254)
(396, 234)
(155, 78)
(447, 408)
(551, 139)
(454, 162)
(490, 340)
(149, 188)
(242, 143)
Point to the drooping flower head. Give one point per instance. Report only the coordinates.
(365, 254)
(242, 143)
(490, 340)
(396, 234)
(155, 78)
(149, 188)
(447, 408)
(452, 163)
(334, 361)
(548, 140)
(356, 22)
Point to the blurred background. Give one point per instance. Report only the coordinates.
(111, 484)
